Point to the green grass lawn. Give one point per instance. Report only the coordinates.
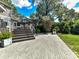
(72, 41)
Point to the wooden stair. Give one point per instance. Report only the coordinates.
(22, 35)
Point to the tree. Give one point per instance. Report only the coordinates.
(45, 12)
(63, 13)
(46, 24)
(14, 11)
(46, 6)
(75, 27)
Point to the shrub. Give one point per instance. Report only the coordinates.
(1, 36)
(75, 30)
(37, 30)
(5, 35)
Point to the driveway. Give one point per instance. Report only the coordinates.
(43, 47)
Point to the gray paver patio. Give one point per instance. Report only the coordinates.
(43, 47)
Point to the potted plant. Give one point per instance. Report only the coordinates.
(5, 38)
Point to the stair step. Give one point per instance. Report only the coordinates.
(22, 31)
(22, 39)
(20, 34)
(23, 34)
(19, 37)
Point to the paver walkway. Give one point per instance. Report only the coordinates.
(43, 47)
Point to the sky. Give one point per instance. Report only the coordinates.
(26, 7)
(72, 4)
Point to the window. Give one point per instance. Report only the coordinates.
(4, 24)
(14, 24)
(18, 24)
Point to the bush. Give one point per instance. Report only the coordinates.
(75, 30)
(5, 35)
(46, 24)
(1, 36)
(37, 30)
(40, 29)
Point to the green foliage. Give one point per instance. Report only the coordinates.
(64, 15)
(75, 29)
(46, 6)
(46, 23)
(5, 35)
(76, 22)
(55, 27)
(66, 28)
(1, 36)
(14, 11)
(37, 29)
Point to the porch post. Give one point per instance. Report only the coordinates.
(9, 24)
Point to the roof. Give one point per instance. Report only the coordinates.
(2, 8)
(5, 5)
(3, 17)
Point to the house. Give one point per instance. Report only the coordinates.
(5, 17)
(7, 20)
(22, 29)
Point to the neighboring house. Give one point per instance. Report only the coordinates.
(7, 21)
(20, 28)
(10, 22)
(5, 17)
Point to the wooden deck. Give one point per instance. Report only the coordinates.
(43, 47)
